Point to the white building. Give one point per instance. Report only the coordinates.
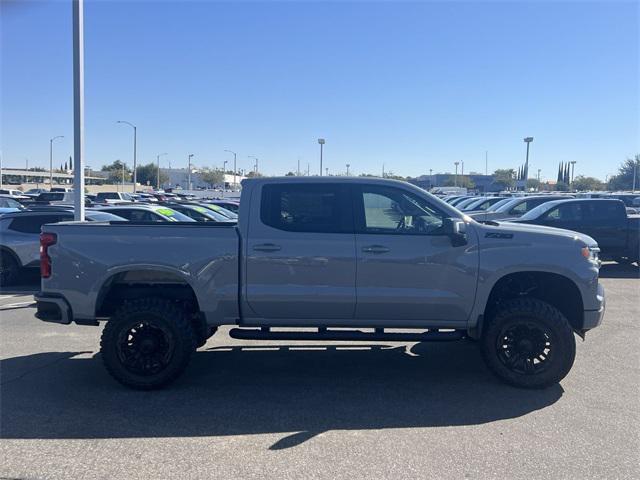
(179, 178)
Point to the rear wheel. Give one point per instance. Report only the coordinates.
(9, 269)
(529, 343)
(148, 343)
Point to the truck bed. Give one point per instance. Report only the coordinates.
(202, 255)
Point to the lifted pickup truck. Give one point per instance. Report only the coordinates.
(355, 259)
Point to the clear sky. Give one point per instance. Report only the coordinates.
(412, 85)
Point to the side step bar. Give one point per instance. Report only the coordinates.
(265, 333)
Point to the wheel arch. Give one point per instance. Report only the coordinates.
(135, 282)
(556, 289)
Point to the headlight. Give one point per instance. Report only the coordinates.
(590, 253)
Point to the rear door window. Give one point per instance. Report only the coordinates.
(313, 208)
(33, 223)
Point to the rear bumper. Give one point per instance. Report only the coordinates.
(52, 309)
(593, 318)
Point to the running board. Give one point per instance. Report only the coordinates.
(265, 333)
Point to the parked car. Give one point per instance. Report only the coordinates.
(9, 205)
(15, 194)
(481, 204)
(34, 192)
(198, 213)
(458, 200)
(228, 204)
(606, 221)
(113, 197)
(58, 198)
(61, 189)
(220, 210)
(467, 201)
(335, 254)
(515, 207)
(147, 213)
(20, 237)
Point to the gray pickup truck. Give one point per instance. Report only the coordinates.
(352, 258)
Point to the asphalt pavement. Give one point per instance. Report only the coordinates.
(304, 410)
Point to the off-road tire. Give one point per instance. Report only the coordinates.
(9, 269)
(158, 315)
(529, 314)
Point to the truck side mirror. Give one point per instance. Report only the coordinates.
(456, 230)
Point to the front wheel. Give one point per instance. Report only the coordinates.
(529, 344)
(147, 343)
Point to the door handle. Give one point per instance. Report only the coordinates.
(266, 247)
(375, 249)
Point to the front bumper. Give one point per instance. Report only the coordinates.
(52, 309)
(593, 318)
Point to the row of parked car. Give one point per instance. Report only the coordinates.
(606, 219)
(21, 221)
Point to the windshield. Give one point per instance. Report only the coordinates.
(537, 211)
(10, 203)
(172, 215)
(104, 217)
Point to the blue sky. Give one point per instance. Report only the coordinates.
(412, 85)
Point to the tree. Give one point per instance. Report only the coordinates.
(254, 174)
(587, 183)
(562, 187)
(148, 175)
(70, 163)
(504, 177)
(533, 184)
(66, 166)
(624, 179)
(290, 174)
(115, 172)
(211, 176)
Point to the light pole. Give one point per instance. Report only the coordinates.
(51, 159)
(635, 169)
(321, 141)
(539, 170)
(326, 169)
(527, 140)
(462, 169)
(348, 165)
(455, 179)
(383, 170)
(573, 167)
(189, 172)
(255, 167)
(158, 161)
(78, 108)
(135, 152)
(431, 178)
(234, 166)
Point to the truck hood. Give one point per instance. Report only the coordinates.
(525, 228)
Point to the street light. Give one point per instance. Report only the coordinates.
(321, 141)
(234, 166)
(158, 160)
(527, 140)
(455, 179)
(573, 167)
(189, 173)
(51, 159)
(135, 141)
(256, 165)
(431, 178)
(348, 165)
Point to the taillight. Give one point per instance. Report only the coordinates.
(46, 240)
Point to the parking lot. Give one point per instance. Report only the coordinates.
(317, 411)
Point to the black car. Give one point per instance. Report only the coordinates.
(604, 220)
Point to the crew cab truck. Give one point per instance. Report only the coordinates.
(353, 258)
(603, 219)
